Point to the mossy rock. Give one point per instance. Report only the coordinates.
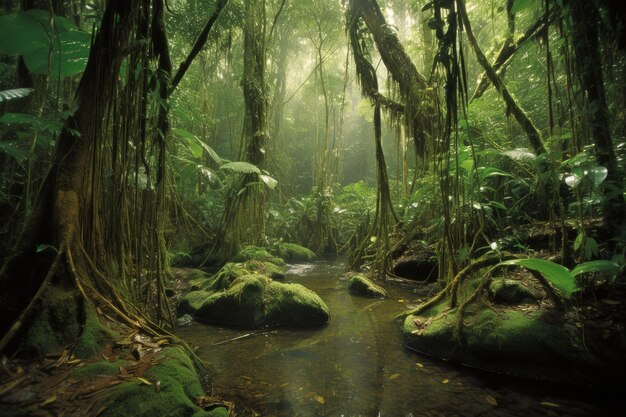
(179, 386)
(221, 280)
(266, 268)
(360, 285)
(505, 342)
(510, 292)
(292, 252)
(192, 301)
(254, 301)
(256, 253)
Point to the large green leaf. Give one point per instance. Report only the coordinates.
(241, 167)
(47, 43)
(557, 274)
(596, 266)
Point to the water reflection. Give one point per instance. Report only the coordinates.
(355, 365)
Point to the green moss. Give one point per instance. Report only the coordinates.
(94, 336)
(56, 323)
(360, 285)
(96, 369)
(266, 268)
(504, 341)
(179, 385)
(254, 300)
(225, 276)
(240, 304)
(260, 254)
(511, 292)
(294, 253)
(191, 302)
(294, 304)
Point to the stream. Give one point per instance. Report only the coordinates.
(356, 365)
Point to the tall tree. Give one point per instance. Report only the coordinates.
(244, 214)
(73, 247)
(585, 18)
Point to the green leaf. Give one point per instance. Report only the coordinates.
(12, 149)
(7, 95)
(579, 240)
(60, 48)
(269, 181)
(557, 274)
(45, 247)
(597, 174)
(596, 266)
(521, 5)
(241, 167)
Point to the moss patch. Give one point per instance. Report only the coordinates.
(94, 336)
(179, 386)
(56, 323)
(260, 254)
(191, 302)
(505, 341)
(294, 253)
(360, 285)
(510, 292)
(96, 369)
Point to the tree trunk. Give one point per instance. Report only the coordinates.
(585, 18)
(62, 203)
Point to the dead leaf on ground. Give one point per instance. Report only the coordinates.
(491, 400)
(319, 399)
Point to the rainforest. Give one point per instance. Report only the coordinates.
(214, 208)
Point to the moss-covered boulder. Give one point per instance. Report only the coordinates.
(266, 268)
(503, 341)
(509, 292)
(192, 301)
(254, 300)
(178, 384)
(256, 253)
(292, 252)
(360, 285)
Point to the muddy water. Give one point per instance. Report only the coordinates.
(356, 366)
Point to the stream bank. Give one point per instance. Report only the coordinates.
(355, 365)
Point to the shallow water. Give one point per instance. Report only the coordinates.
(356, 366)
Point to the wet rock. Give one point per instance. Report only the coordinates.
(360, 285)
(509, 292)
(184, 320)
(417, 263)
(255, 300)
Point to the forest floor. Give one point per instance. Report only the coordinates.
(62, 385)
